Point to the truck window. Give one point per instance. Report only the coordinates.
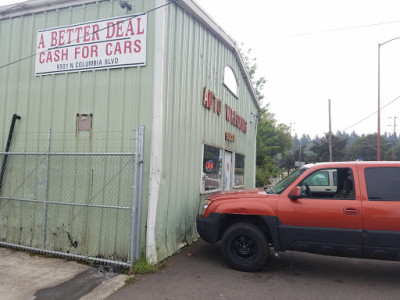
(320, 178)
(329, 184)
(284, 183)
(382, 183)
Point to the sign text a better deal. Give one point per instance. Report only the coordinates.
(102, 44)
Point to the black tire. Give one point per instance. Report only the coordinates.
(245, 247)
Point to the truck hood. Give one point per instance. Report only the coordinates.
(236, 194)
(246, 201)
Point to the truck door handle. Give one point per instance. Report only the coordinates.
(351, 211)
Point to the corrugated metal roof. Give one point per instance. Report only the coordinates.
(190, 6)
(34, 6)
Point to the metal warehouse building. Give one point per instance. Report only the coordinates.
(117, 118)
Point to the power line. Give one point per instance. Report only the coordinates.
(345, 28)
(397, 98)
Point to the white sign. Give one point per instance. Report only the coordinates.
(103, 44)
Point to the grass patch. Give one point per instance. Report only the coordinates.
(142, 266)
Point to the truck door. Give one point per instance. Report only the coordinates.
(381, 205)
(321, 221)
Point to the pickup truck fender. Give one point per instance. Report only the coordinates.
(260, 211)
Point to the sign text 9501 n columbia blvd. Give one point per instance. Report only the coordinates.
(103, 44)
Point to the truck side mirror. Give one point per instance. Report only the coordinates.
(295, 193)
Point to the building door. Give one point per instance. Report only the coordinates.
(228, 171)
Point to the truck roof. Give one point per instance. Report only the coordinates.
(352, 163)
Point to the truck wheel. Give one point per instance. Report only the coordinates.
(245, 247)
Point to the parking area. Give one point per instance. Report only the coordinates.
(198, 272)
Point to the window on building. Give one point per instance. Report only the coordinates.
(211, 173)
(239, 170)
(230, 81)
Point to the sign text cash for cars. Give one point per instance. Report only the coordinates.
(103, 44)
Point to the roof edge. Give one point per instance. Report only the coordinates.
(36, 6)
(191, 7)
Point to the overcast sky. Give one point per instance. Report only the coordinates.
(314, 50)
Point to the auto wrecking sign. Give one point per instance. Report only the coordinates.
(111, 43)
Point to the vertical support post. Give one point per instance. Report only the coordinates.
(44, 231)
(378, 136)
(10, 135)
(138, 196)
(330, 132)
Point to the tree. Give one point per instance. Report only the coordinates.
(272, 140)
(365, 148)
(251, 66)
(288, 161)
(321, 149)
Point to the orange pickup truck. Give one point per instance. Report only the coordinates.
(347, 209)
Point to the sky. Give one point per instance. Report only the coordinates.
(311, 51)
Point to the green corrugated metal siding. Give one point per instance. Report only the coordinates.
(119, 99)
(195, 59)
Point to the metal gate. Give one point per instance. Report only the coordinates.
(79, 205)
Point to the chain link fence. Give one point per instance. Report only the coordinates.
(78, 205)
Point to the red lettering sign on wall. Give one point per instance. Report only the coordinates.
(211, 102)
(235, 119)
(118, 42)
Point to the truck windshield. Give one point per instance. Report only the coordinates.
(284, 183)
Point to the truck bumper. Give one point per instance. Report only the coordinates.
(208, 228)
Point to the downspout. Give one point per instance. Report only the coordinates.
(10, 134)
(157, 132)
(255, 151)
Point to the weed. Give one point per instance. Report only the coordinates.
(142, 266)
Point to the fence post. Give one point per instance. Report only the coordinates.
(47, 191)
(138, 195)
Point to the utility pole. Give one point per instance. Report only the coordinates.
(330, 132)
(394, 135)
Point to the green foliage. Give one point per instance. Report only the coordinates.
(273, 141)
(321, 149)
(287, 162)
(142, 266)
(262, 178)
(347, 147)
(365, 147)
(251, 66)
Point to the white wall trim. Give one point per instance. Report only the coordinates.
(157, 132)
